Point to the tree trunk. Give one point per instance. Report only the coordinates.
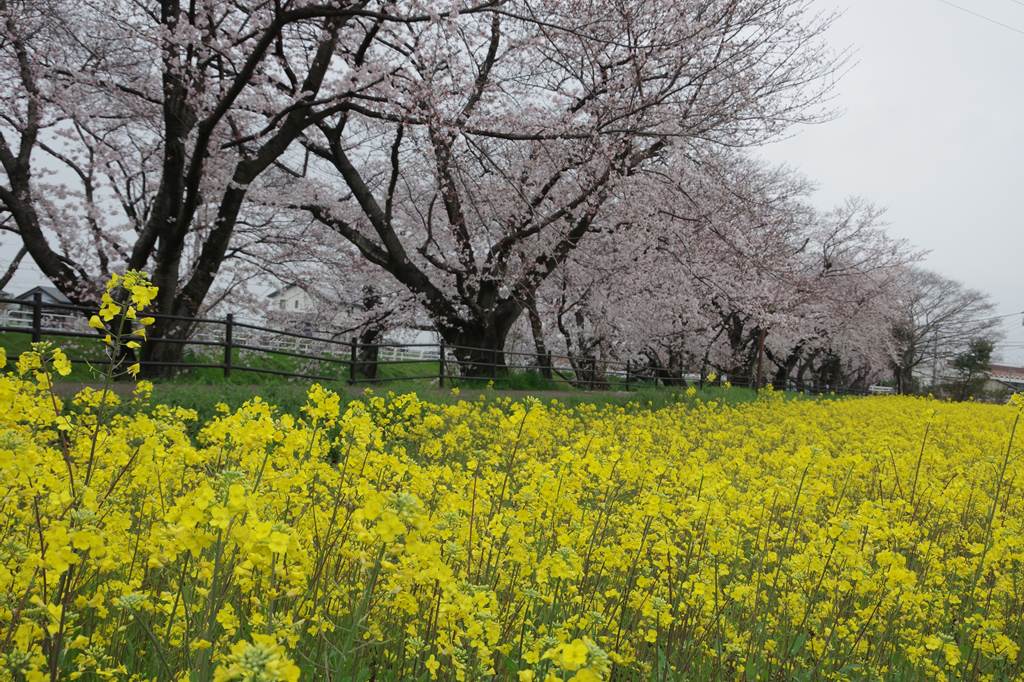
(781, 378)
(480, 356)
(829, 373)
(369, 352)
(543, 359)
(785, 368)
(669, 373)
(801, 373)
(165, 344)
(479, 345)
(903, 375)
(371, 335)
(589, 371)
(164, 353)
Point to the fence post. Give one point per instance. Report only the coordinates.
(354, 350)
(37, 317)
(229, 323)
(440, 363)
(629, 364)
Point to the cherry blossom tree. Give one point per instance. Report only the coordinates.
(511, 136)
(700, 227)
(720, 255)
(133, 132)
(742, 276)
(844, 300)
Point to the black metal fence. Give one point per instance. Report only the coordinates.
(229, 340)
(238, 346)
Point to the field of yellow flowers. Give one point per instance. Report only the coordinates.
(395, 539)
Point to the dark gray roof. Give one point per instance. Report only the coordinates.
(48, 292)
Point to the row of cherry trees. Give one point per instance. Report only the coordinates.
(571, 167)
(776, 291)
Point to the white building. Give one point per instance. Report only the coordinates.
(293, 307)
(298, 302)
(16, 311)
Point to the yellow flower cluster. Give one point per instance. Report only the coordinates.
(395, 539)
(125, 296)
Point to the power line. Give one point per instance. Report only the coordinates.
(993, 318)
(998, 317)
(985, 18)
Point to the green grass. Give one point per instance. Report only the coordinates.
(77, 348)
(289, 396)
(246, 365)
(513, 381)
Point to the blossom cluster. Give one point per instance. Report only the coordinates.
(393, 538)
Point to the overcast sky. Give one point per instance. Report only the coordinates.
(932, 127)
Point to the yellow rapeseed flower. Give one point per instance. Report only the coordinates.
(261, 660)
(60, 362)
(408, 539)
(432, 664)
(569, 655)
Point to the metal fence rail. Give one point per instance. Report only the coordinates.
(231, 341)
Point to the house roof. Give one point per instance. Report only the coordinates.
(53, 293)
(340, 302)
(1007, 373)
(280, 290)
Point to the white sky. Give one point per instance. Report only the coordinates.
(931, 127)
